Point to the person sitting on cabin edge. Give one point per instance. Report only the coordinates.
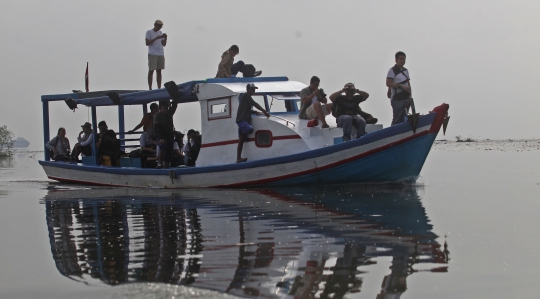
(107, 143)
(164, 127)
(314, 102)
(59, 146)
(226, 68)
(148, 119)
(400, 83)
(84, 144)
(243, 119)
(347, 110)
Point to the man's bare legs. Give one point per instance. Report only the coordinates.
(243, 138)
(158, 78)
(320, 114)
(150, 78)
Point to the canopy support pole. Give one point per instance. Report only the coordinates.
(46, 129)
(95, 132)
(121, 124)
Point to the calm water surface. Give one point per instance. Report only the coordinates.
(467, 230)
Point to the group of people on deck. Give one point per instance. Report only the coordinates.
(160, 142)
(344, 105)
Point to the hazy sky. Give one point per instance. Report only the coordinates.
(481, 57)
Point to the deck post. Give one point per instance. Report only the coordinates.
(46, 129)
(144, 109)
(121, 124)
(95, 132)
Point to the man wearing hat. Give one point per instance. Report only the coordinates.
(348, 112)
(155, 41)
(243, 119)
(84, 144)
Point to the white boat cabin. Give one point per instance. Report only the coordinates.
(281, 134)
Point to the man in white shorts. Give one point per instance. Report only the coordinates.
(155, 41)
(314, 102)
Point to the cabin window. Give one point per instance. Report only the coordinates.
(282, 103)
(259, 99)
(219, 108)
(263, 138)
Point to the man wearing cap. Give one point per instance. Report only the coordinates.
(398, 81)
(84, 144)
(347, 110)
(314, 103)
(155, 41)
(164, 128)
(243, 119)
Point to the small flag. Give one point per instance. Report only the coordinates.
(86, 84)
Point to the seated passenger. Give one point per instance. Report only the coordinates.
(347, 110)
(59, 146)
(188, 145)
(194, 147)
(148, 148)
(228, 69)
(107, 144)
(314, 102)
(179, 156)
(84, 145)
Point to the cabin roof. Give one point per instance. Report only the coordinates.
(132, 97)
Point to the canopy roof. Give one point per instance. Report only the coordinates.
(131, 97)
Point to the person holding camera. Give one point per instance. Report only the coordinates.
(347, 110)
(155, 41)
(398, 81)
(314, 103)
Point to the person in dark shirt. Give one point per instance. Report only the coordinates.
(148, 119)
(164, 129)
(243, 119)
(347, 110)
(107, 143)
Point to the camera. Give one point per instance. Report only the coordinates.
(321, 93)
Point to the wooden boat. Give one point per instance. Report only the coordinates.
(282, 150)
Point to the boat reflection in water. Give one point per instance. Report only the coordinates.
(301, 243)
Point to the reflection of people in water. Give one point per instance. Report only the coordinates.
(155, 238)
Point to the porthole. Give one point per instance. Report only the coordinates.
(263, 138)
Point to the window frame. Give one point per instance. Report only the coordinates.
(223, 100)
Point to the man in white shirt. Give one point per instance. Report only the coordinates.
(84, 145)
(398, 80)
(155, 41)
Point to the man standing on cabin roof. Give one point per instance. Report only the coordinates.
(314, 103)
(243, 119)
(155, 41)
(398, 80)
(148, 119)
(228, 69)
(164, 129)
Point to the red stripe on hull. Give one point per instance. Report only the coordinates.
(88, 183)
(370, 152)
(235, 141)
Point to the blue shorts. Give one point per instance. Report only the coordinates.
(244, 128)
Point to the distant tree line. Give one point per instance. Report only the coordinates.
(6, 142)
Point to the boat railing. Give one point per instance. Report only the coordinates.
(284, 119)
